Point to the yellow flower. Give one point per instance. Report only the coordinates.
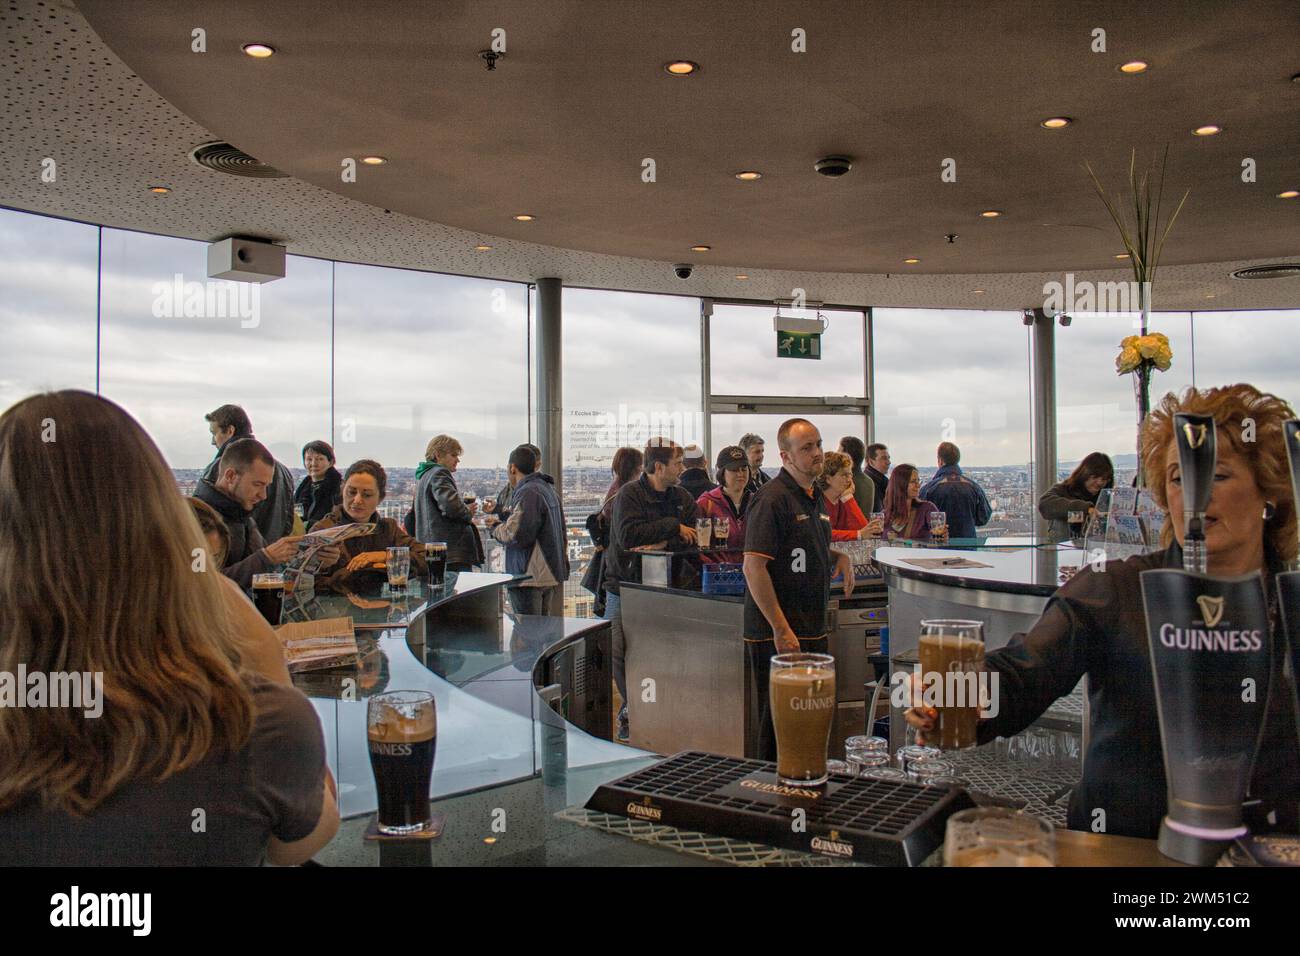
(1127, 360)
(1129, 342)
(1148, 345)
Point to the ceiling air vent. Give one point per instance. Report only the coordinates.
(1274, 270)
(224, 158)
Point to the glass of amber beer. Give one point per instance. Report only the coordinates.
(402, 733)
(952, 657)
(802, 693)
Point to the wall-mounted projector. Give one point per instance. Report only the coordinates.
(785, 323)
(245, 260)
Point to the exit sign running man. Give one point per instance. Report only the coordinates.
(800, 345)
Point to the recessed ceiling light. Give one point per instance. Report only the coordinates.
(258, 51)
(524, 217)
(681, 67)
(977, 291)
(749, 175)
(482, 247)
(160, 190)
(1288, 194)
(742, 276)
(374, 160)
(1122, 255)
(1134, 66)
(911, 261)
(1207, 130)
(991, 213)
(1056, 122)
(1209, 295)
(700, 248)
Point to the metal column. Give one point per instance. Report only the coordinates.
(550, 413)
(1042, 375)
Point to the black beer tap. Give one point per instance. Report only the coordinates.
(1209, 638)
(1197, 455)
(1288, 583)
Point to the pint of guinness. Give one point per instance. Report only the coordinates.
(435, 556)
(802, 694)
(268, 596)
(402, 733)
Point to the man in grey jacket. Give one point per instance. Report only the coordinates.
(274, 512)
(440, 512)
(534, 537)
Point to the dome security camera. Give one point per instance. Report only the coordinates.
(683, 270)
(833, 165)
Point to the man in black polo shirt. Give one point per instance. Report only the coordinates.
(788, 566)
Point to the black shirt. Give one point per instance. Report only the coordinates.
(643, 516)
(791, 527)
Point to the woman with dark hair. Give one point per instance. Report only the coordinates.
(625, 467)
(906, 515)
(1077, 493)
(1095, 625)
(364, 486)
(864, 489)
(322, 489)
(181, 705)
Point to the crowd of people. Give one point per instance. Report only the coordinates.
(201, 700)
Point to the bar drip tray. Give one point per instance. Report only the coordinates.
(882, 822)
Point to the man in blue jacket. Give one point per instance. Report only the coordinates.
(534, 537)
(963, 501)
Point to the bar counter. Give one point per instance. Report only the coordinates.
(511, 775)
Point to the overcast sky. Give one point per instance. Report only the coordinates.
(416, 354)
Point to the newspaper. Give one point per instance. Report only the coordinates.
(315, 645)
(307, 560)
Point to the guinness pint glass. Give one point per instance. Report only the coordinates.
(435, 556)
(402, 731)
(268, 596)
(802, 694)
(952, 656)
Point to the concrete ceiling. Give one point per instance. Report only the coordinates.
(561, 128)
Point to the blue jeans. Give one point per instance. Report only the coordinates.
(614, 614)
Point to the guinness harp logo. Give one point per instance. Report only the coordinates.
(1195, 434)
(1211, 609)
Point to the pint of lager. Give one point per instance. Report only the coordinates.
(952, 656)
(268, 596)
(402, 732)
(802, 693)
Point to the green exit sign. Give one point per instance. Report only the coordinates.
(800, 345)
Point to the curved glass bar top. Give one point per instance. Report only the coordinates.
(1024, 570)
(492, 727)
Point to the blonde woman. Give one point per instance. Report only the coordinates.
(188, 719)
(1095, 624)
(440, 512)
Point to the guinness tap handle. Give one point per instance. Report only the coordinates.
(1196, 459)
(1291, 430)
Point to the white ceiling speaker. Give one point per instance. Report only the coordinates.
(245, 260)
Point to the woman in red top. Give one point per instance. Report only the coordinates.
(848, 523)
